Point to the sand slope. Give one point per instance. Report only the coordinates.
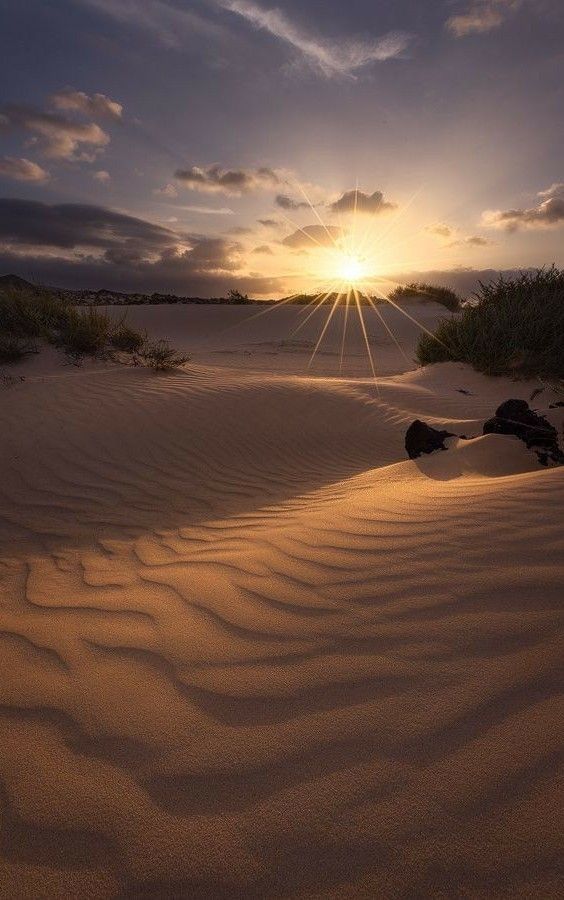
(249, 650)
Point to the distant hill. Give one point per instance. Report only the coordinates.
(15, 283)
(104, 297)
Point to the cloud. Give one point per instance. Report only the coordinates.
(269, 223)
(481, 16)
(102, 176)
(368, 204)
(22, 170)
(331, 58)
(93, 246)
(288, 203)
(232, 182)
(548, 212)
(169, 190)
(171, 26)
(96, 105)
(474, 240)
(263, 248)
(56, 136)
(80, 227)
(85, 245)
(440, 229)
(312, 236)
(208, 210)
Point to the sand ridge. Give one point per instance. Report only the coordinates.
(249, 649)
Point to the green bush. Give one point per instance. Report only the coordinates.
(127, 340)
(441, 295)
(161, 357)
(512, 327)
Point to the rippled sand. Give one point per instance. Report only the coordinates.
(249, 650)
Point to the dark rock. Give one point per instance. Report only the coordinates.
(517, 418)
(421, 438)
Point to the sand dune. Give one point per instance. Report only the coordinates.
(250, 650)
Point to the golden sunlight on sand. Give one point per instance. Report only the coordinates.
(250, 650)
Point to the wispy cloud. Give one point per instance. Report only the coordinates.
(171, 25)
(481, 16)
(208, 210)
(331, 58)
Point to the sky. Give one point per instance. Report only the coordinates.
(197, 146)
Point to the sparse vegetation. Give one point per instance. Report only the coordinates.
(161, 357)
(84, 333)
(28, 317)
(14, 348)
(238, 298)
(512, 327)
(127, 339)
(433, 292)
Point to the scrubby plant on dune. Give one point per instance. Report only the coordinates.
(14, 348)
(31, 315)
(28, 317)
(422, 291)
(161, 357)
(85, 333)
(512, 327)
(127, 339)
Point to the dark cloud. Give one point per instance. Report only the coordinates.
(312, 236)
(70, 226)
(95, 105)
(268, 223)
(233, 182)
(369, 204)
(22, 170)
(263, 248)
(56, 136)
(547, 213)
(76, 245)
(285, 202)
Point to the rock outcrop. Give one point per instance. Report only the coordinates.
(422, 438)
(517, 418)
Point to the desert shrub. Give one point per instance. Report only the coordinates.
(238, 297)
(85, 332)
(513, 327)
(441, 295)
(127, 339)
(14, 347)
(161, 357)
(31, 314)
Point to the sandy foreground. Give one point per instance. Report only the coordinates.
(249, 650)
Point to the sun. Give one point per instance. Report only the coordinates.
(350, 268)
